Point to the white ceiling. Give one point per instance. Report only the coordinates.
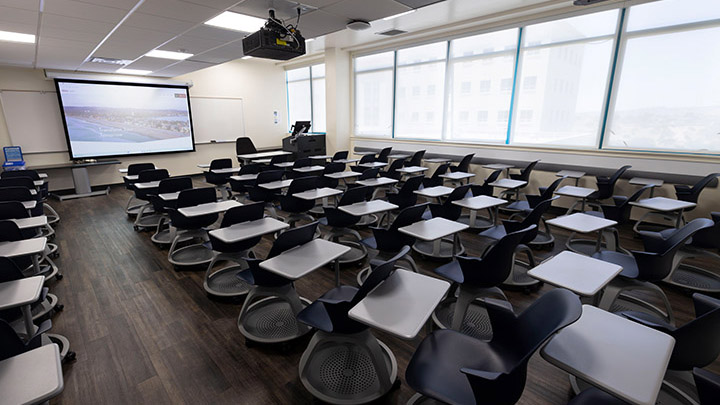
(69, 32)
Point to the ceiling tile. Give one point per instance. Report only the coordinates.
(368, 10)
(123, 4)
(50, 55)
(320, 3)
(178, 10)
(155, 23)
(17, 15)
(191, 44)
(131, 43)
(17, 54)
(32, 5)
(222, 54)
(319, 23)
(210, 32)
(63, 23)
(284, 9)
(216, 4)
(182, 68)
(19, 27)
(98, 67)
(71, 8)
(152, 64)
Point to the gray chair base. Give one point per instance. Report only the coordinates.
(224, 282)
(677, 220)
(465, 311)
(479, 224)
(692, 277)
(132, 209)
(364, 273)
(357, 252)
(192, 255)
(146, 218)
(367, 220)
(518, 275)
(52, 216)
(269, 315)
(46, 308)
(442, 249)
(347, 369)
(588, 247)
(615, 299)
(678, 388)
(420, 399)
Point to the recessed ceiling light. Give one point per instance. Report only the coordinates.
(133, 72)
(110, 61)
(168, 54)
(399, 15)
(236, 21)
(17, 37)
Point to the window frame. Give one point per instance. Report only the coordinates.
(309, 79)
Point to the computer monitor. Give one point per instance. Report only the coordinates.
(300, 127)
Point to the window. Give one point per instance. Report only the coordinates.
(374, 94)
(564, 84)
(421, 64)
(306, 96)
(506, 84)
(476, 62)
(668, 92)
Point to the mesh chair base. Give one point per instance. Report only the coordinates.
(614, 298)
(441, 249)
(224, 282)
(272, 319)
(476, 322)
(673, 391)
(420, 399)
(63, 345)
(347, 369)
(45, 308)
(694, 278)
(367, 220)
(192, 255)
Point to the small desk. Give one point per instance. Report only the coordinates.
(22, 293)
(612, 353)
(368, 208)
(319, 193)
(32, 377)
(125, 170)
(346, 161)
(580, 193)
(435, 192)
(26, 247)
(343, 175)
(309, 169)
(481, 202)
(363, 153)
(226, 170)
(500, 166)
(147, 185)
(81, 177)
(578, 273)
(169, 196)
(276, 185)
(33, 192)
(209, 208)
(397, 156)
(458, 176)
(31, 222)
(303, 260)
(28, 205)
(320, 157)
(571, 174)
(248, 230)
(412, 169)
(372, 165)
(511, 185)
(377, 182)
(262, 161)
(433, 230)
(438, 160)
(662, 204)
(260, 155)
(642, 181)
(38, 183)
(43, 175)
(583, 223)
(203, 165)
(284, 165)
(131, 177)
(402, 304)
(244, 177)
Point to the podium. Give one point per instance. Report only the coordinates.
(305, 145)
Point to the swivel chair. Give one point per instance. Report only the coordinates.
(191, 229)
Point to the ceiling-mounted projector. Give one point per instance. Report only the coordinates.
(586, 2)
(275, 40)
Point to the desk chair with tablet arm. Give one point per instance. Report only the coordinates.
(464, 165)
(9, 232)
(340, 155)
(371, 364)
(416, 159)
(451, 367)
(383, 155)
(164, 233)
(705, 243)
(11, 344)
(16, 210)
(260, 194)
(486, 188)
(364, 159)
(43, 191)
(219, 180)
(191, 228)
(605, 188)
(523, 208)
(298, 208)
(449, 211)
(240, 187)
(264, 317)
(435, 180)
(48, 304)
(474, 278)
(340, 224)
(406, 197)
(134, 170)
(143, 221)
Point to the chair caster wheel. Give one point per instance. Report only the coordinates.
(249, 343)
(59, 307)
(69, 357)
(54, 255)
(396, 384)
(59, 276)
(136, 228)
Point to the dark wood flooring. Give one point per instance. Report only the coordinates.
(145, 333)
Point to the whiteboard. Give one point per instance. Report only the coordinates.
(217, 119)
(33, 120)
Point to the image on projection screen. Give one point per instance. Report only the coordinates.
(116, 119)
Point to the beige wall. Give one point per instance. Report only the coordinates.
(261, 85)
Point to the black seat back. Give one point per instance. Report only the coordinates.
(606, 185)
(9, 231)
(236, 215)
(708, 386)
(12, 210)
(20, 173)
(464, 165)
(378, 275)
(175, 184)
(244, 146)
(369, 174)
(383, 155)
(354, 195)
(26, 182)
(292, 238)
(392, 171)
(525, 173)
(697, 343)
(152, 175)
(191, 198)
(411, 185)
(303, 162)
(220, 164)
(334, 167)
(709, 238)
(366, 159)
(16, 193)
(486, 188)
(135, 168)
(416, 159)
(691, 194)
(302, 184)
(621, 210)
(252, 168)
(340, 155)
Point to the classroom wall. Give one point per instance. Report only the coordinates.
(260, 83)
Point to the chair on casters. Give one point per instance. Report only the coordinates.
(392, 171)
(683, 193)
(464, 165)
(518, 277)
(191, 228)
(406, 197)
(298, 208)
(705, 243)
(48, 304)
(9, 232)
(605, 188)
(224, 282)
(219, 180)
(16, 210)
(435, 180)
(523, 208)
(383, 155)
(642, 269)
(474, 278)
(619, 211)
(260, 194)
(340, 155)
(134, 170)
(708, 386)
(524, 175)
(454, 368)
(11, 344)
(449, 211)
(340, 224)
(365, 159)
(43, 191)
(269, 313)
(241, 187)
(152, 218)
(344, 363)
(164, 233)
(697, 344)
(416, 159)
(388, 242)
(244, 146)
(486, 188)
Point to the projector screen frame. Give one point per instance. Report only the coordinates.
(57, 80)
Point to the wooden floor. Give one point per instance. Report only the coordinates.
(145, 333)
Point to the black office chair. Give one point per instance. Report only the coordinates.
(340, 155)
(383, 155)
(605, 188)
(22, 194)
(644, 268)
(477, 277)
(524, 174)
(708, 386)
(340, 224)
(224, 282)
(365, 159)
(269, 313)
(241, 187)
(45, 307)
(146, 216)
(164, 233)
(704, 244)
(406, 196)
(43, 191)
(697, 343)
(9, 232)
(392, 170)
(464, 165)
(595, 396)
(260, 194)
(344, 350)
(244, 146)
(27, 182)
(330, 168)
(486, 188)
(447, 209)
(219, 180)
(435, 180)
(416, 159)
(297, 207)
(388, 242)
(191, 229)
(134, 170)
(455, 368)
